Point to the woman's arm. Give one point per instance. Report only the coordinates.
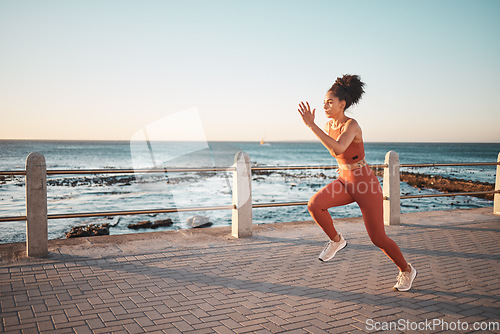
(335, 147)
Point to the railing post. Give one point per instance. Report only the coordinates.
(496, 197)
(391, 189)
(36, 205)
(242, 196)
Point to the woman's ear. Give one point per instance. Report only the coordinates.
(343, 104)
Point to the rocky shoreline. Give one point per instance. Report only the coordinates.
(417, 180)
(445, 184)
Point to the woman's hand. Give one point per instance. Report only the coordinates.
(306, 113)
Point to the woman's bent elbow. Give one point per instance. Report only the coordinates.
(334, 153)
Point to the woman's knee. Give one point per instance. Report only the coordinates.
(312, 205)
(380, 240)
(315, 205)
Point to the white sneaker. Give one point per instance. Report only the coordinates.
(405, 279)
(331, 248)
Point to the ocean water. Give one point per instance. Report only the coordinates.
(94, 193)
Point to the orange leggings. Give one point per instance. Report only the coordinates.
(361, 186)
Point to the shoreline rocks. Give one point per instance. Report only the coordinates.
(199, 222)
(152, 225)
(445, 184)
(88, 231)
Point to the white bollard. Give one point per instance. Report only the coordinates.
(242, 196)
(496, 197)
(36, 205)
(391, 189)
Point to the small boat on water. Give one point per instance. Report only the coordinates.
(262, 143)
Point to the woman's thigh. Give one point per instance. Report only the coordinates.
(331, 195)
(367, 193)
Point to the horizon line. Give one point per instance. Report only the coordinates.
(248, 141)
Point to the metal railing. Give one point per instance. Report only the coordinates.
(161, 170)
(226, 169)
(119, 171)
(242, 203)
(121, 213)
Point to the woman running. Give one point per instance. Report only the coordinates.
(356, 181)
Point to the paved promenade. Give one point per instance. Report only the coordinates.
(205, 281)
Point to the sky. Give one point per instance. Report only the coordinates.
(107, 70)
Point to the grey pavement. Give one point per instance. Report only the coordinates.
(205, 281)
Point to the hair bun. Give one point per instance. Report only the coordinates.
(348, 88)
(341, 82)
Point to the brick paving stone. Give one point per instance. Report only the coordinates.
(286, 308)
(248, 329)
(230, 323)
(296, 325)
(191, 319)
(223, 330)
(82, 330)
(134, 328)
(319, 324)
(263, 331)
(297, 331)
(199, 331)
(386, 312)
(272, 327)
(45, 325)
(281, 314)
(206, 324)
(31, 330)
(315, 330)
(69, 325)
(144, 321)
(182, 325)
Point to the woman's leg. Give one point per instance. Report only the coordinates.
(333, 194)
(368, 194)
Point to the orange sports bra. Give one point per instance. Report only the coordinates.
(354, 153)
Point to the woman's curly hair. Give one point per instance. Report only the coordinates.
(348, 88)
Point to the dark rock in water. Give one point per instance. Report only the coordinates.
(198, 222)
(149, 224)
(143, 224)
(88, 231)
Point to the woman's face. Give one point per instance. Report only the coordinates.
(333, 107)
